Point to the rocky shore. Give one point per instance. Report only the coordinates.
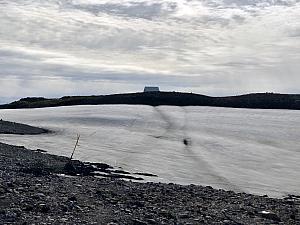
(40, 188)
(7, 127)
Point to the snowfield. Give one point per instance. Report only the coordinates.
(245, 150)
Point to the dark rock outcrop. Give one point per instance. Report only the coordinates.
(7, 127)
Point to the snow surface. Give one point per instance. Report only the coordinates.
(245, 150)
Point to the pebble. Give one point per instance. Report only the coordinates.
(138, 222)
(269, 215)
(184, 215)
(2, 191)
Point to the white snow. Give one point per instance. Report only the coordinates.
(246, 150)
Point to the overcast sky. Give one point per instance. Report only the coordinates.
(79, 47)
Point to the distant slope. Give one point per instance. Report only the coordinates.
(259, 100)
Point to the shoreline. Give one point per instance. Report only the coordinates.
(41, 188)
(7, 127)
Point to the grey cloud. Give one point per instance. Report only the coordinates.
(135, 9)
(212, 47)
(295, 32)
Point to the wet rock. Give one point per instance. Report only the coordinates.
(121, 172)
(146, 174)
(40, 150)
(102, 165)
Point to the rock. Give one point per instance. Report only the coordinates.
(184, 215)
(167, 214)
(2, 191)
(20, 189)
(102, 165)
(64, 208)
(28, 207)
(269, 215)
(138, 203)
(138, 222)
(293, 216)
(10, 185)
(44, 208)
(10, 216)
(64, 219)
(127, 210)
(69, 168)
(18, 211)
(187, 141)
(39, 195)
(121, 171)
(151, 221)
(146, 174)
(40, 151)
(72, 199)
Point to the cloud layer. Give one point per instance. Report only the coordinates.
(219, 47)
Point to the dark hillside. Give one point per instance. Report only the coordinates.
(258, 100)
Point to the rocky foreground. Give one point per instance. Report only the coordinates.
(34, 191)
